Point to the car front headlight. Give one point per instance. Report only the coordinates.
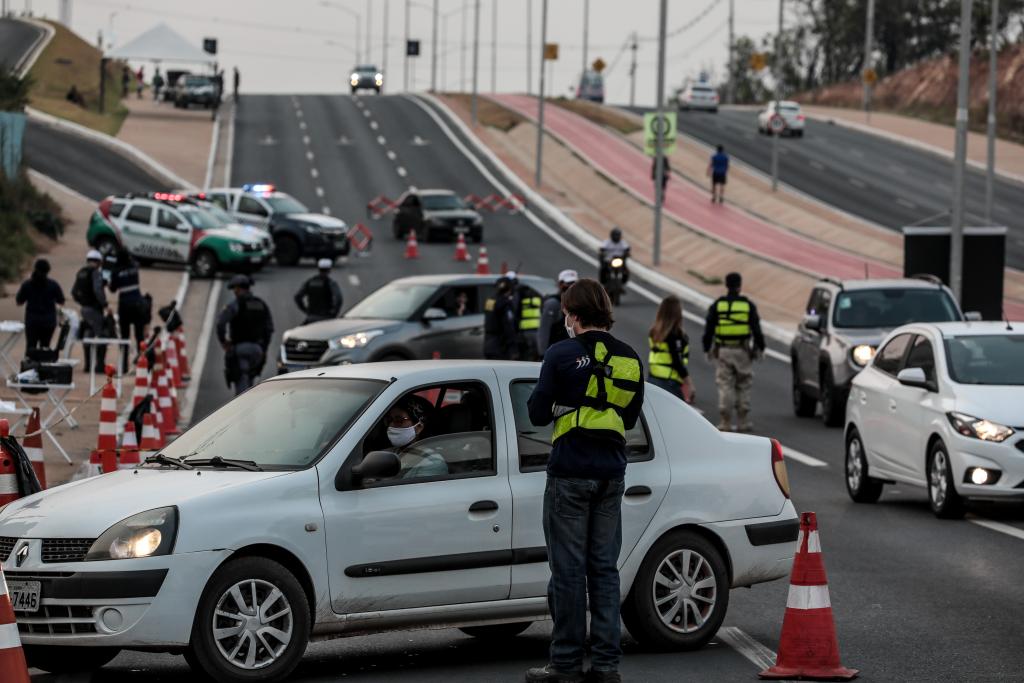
(978, 428)
(862, 354)
(357, 340)
(379, 79)
(146, 534)
(236, 247)
(311, 229)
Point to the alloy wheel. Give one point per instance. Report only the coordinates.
(937, 481)
(854, 463)
(252, 624)
(684, 591)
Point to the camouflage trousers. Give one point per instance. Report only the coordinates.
(735, 378)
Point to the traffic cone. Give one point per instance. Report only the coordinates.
(483, 264)
(412, 247)
(179, 341)
(172, 362)
(150, 434)
(33, 446)
(129, 442)
(8, 479)
(163, 394)
(141, 377)
(173, 391)
(808, 648)
(461, 252)
(13, 667)
(128, 457)
(107, 438)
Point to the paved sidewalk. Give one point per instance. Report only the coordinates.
(177, 138)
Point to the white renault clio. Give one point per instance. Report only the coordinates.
(941, 406)
(284, 517)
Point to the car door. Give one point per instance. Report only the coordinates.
(808, 340)
(453, 336)
(881, 421)
(438, 540)
(647, 482)
(174, 235)
(914, 407)
(138, 234)
(252, 211)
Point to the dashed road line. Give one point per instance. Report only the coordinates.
(381, 139)
(313, 172)
(856, 152)
(373, 125)
(401, 171)
(326, 211)
(857, 182)
(817, 165)
(906, 202)
(353, 279)
(367, 113)
(760, 656)
(302, 125)
(997, 526)
(305, 140)
(319, 191)
(391, 155)
(309, 154)
(298, 112)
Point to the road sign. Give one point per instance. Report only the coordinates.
(412, 48)
(598, 65)
(777, 123)
(652, 123)
(870, 76)
(550, 52)
(210, 46)
(757, 61)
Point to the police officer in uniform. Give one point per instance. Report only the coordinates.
(500, 336)
(244, 329)
(732, 340)
(320, 296)
(528, 305)
(591, 386)
(88, 292)
(133, 308)
(551, 330)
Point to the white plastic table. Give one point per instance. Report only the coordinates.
(10, 333)
(92, 343)
(56, 394)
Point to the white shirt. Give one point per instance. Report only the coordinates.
(613, 249)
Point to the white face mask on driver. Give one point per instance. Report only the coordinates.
(570, 328)
(401, 436)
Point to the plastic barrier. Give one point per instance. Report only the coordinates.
(380, 206)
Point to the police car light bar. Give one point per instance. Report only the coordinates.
(167, 196)
(258, 187)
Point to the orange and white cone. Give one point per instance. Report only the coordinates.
(150, 434)
(33, 446)
(8, 478)
(129, 441)
(107, 438)
(172, 391)
(13, 667)
(178, 338)
(172, 362)
(808, 648)
(412, 247)
(461, 252)
(141, 377)
(483, 264)
(169, 425)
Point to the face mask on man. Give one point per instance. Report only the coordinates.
(569, 328)
(401, 436)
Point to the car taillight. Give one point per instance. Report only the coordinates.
(779, 468)
(714, 98)
(800, 117)
(104, 207)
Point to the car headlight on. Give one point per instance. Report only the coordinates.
(146, 534)
(354, 79)
(379, 79)
(978, 428)
(862, 354)
(357, 340)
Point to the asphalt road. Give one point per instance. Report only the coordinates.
(16, 39)
(891, 184)
(915, 598)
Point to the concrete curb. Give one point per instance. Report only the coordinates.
(28, 60)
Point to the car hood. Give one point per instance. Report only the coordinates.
(872, 336)
(1002, 404)
(319, 219)
(239, 233)
(338, 327)
(88, 507)
(465, 214)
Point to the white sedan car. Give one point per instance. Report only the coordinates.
(281, 518)
(789, 112)
(942, 406)
(699, 96)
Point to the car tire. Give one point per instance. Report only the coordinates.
(803, 405)
(62, 659)
(496, 631)
(287, 251)
(861, 487)
(833, 400)
(396, 231)
(205, 264)
(106, 245)
(647, 621)
(214, 658)
(945, 502)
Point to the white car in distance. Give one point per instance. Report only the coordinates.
(940, 406)
(286, 516)
(789, 112)
(698, 96)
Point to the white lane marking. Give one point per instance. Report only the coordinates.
(353, 280)
(309, 155)
(298, 113)
(906, 202)
(760, 656)
(366, 113)
(382, 140)
(305, 140)
(816, 165)
(792, 454)
(856, 182)
(313, 172)
(391, 155)
(319, 191)
(302, 125)
(997, 526)
(203, 347)
(401, 171)
(373, 125)
(326, 211)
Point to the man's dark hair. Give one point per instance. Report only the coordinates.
(721, 149)
(42, 266)
(587, 300)
(733, 282)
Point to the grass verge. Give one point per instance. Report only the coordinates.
(603, 116)
(26, 214)
(488, 113)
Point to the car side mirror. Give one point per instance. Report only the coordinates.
(813, 322)
(376, 465)
(973, 316)
(434, 313)
(184, 227)
(913, 377)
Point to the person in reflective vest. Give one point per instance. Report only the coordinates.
(591, 387)
(670, 351)
(320, 296)
(528, 317)
(244, 329)
(732, 341)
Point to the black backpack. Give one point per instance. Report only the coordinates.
(82, 291)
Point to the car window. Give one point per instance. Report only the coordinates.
(534, 443)
(442, 202)
(220, 200)
(394, 301)
(996, 359)
(199, 218)
(167, 219)
(890, 358)
(458, 301)
(892, 307)
(117, 208)
(452, 428)
(817, 304)
(922, 356)
(250, 205)
(285, 204)
(140, 213)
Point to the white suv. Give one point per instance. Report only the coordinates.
(942, 406)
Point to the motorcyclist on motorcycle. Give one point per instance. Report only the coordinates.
(611, 248)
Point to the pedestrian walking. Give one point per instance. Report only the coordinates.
(670, 351)
(591, 387)
(140, 82)
(158, 85)
(320, 296)
(551, 330)
(237, 78)
(88, 292)
(126, 77)
(500, 337)
(134, 309)
(244, 328)
(41, 296)
(732, 341)
(664, 176)
(718, 171)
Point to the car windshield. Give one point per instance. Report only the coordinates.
(285, 204)
(702, 89)
(442, 202)
(200, 218)
(888, 308)
(986, 359)
(222, 216)
(396, 301)
(198, 80)
(285, 424)
(366, 68)
(789, 108)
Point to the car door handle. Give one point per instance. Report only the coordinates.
(638, 491)
(483, 506)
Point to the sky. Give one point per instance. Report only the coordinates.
(309, 46)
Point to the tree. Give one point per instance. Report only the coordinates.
(13, 92)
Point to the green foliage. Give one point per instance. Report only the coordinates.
(22, 208)
(13, 91)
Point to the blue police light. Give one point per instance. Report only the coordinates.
(258, 187)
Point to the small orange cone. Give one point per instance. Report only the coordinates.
(13, 668)
(172, 362)
(33, 446)
(150, 433)
(808, 648)
(461, 252)
(178, 338)
(483, 264)
(8, 478)
(169, 425)
(412, 247)
(141, 377)
(107, 438)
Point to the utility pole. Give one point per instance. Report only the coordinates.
(778, 99)
(632, 73)
(433, 51)
(956, 237)
(869, 28)
(462, 51)
(659, 145)
(369, 31)
(529, 47)
(993, 62)
(586, 32)
(476, 55)
(494, 46)
(540, 108)
(730, 93)
(405, 68)
(384, 43)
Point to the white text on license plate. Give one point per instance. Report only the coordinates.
(461, 229)
(25, 595)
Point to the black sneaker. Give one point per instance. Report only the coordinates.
(549, 673)
(594, 676)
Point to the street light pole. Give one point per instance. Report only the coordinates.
(540, 107)
(632, 73)
(405, 67)
(476, 55)
(778, 100)
(869, 27)
(993, 62)
(529, 47)
(433, 51)
(586, 32)
(494, 46)
(384, 42)
(462, 51)
(956, 237)
(659, 145)
(730, 93)
(369, 31)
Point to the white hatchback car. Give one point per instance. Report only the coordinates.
(280, 518)
(941, 405)
(700, 96)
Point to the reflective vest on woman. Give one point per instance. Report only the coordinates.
(660, 360)
(529, 313)
(612, 385)
(733, 326)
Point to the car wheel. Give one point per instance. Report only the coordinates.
(833, 400)
(252, 623)
(496, 631)
(680, 595)
(803, 405)
(58, 659)
(861, 487)
(945, 501)
(397, 231)
(287, 251)
(205, 263)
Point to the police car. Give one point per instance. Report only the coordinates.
(170, 228)
(296, 232)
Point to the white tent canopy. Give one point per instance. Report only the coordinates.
(161, 44)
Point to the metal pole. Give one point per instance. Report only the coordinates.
(730, 93)
(632, 74)
(990, 163)
(476, 55)
(433, 55)
(529, 47)
(586, 32)
(405, 67)
(369, 31)
(444, 55)
(659, 145)
(384, 42)
(869, 27)
(494, 46)
(778, 99)
(462, 51)
(956, 244)
(540, 105)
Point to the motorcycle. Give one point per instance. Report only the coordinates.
(615, 277)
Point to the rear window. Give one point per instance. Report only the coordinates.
(702, 89)
(442, 202)
(986, 359)
(790, 108)
(116, 208)
(892, 307)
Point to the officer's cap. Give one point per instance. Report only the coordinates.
(94, 255)
(568, 276)
(242, 281)
(324, 264)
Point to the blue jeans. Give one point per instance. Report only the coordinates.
(250, 356)
(583, 530)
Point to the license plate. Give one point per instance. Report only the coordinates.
(461, 229)
(255, 259)
(340, 243)
(25, 595)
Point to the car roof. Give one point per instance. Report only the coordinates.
(980, 328)
(436, 192)
(471, 279)
(387, 371)
(880, 283)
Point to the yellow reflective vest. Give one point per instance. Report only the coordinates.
(613, 384)
(733, 322)
(659, 360)
(529, 312)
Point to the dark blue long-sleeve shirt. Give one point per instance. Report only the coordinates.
(41, 297)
